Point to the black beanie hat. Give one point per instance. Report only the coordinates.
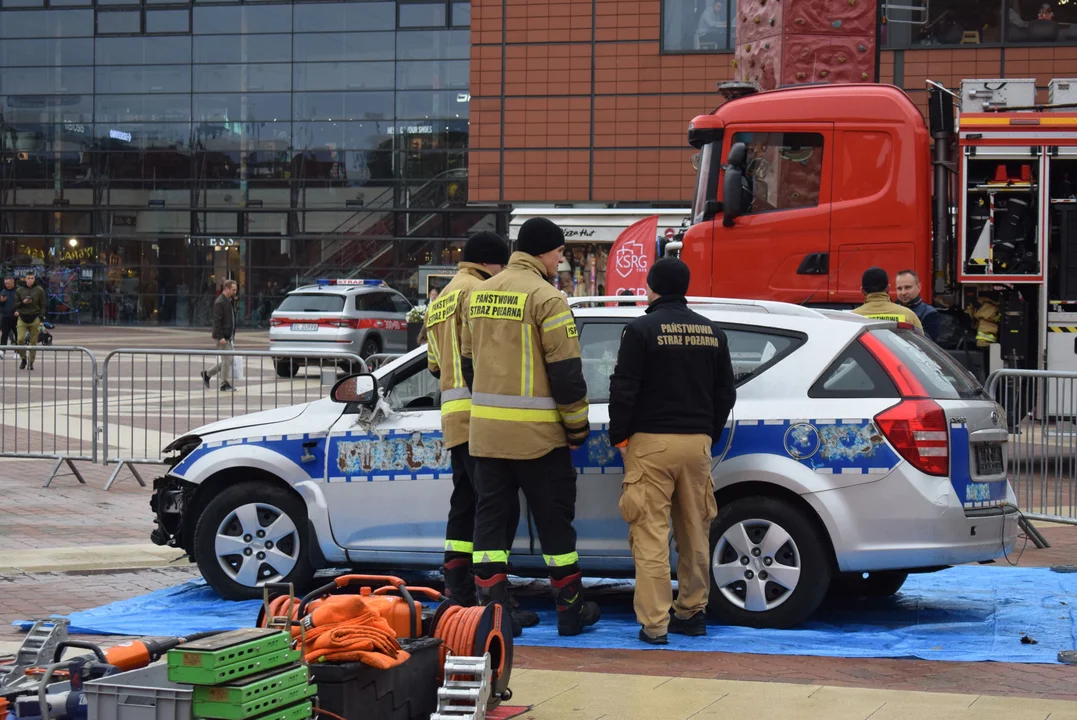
(486, 248)
(669, 276)
(874, 280)
(539, 236)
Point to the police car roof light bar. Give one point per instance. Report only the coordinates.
(349, 281)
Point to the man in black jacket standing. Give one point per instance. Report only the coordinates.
(8, 320)
(670, 396)
(224, 332)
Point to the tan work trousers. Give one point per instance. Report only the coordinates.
(668, 475)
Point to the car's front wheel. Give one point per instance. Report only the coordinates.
(251, 534)
(770, 565)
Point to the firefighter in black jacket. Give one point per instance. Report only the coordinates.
(670, 396)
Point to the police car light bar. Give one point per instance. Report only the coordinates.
(347, 281)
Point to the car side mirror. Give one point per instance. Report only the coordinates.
(360, 389)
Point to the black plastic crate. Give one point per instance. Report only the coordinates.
(355, 691)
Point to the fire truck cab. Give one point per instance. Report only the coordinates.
(800, 189)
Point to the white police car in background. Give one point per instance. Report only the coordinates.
(364, 317)
(857, 452)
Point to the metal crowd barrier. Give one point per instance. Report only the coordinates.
(50, 412)
(150, 397)
(1041, 415)
(379, 359)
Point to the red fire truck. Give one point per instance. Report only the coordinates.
(800, 189)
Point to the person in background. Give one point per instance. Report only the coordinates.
(875, 284)
(30, 303)
(907, 285)
(713, 26)
(224, 332)
(8, 321)
(664, 424)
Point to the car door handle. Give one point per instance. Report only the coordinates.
(815, 264)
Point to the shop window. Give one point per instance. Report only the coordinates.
(46, 23)
(330, 47)
(1040, 22)
(920, 23)
(46, 52)
(423, 14)
(698, 25)
(242, 49)
(784, 170)
(432, 104)
(127, 22)
(349, 17)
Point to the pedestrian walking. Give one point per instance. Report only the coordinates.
(875, 284)
(224, 332)
(670, 397)
(520, 357)
(30, 305)
(907, 286)
(8, 321)
(485, 255)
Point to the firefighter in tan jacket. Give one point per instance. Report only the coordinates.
(485, 255)
(528, 407)
(875, 284)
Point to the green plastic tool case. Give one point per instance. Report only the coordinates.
(230, 656)
(253, 696)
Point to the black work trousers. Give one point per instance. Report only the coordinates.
(8, 323)
(549, 484)
(460, 530)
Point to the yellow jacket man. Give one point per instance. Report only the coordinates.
(875, 284)
(528, 406)
(485, 255)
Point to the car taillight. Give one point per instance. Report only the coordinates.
(345, 323)
(918, 430)
(916, 426)
(276, 322)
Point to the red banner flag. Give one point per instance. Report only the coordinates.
(631, 256)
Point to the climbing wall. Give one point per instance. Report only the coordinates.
(786, 42)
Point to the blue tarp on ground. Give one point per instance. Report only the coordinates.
(968, 613)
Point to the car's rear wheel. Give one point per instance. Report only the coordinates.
(287, 368)
(371, 346)
(770, 565)
(251, 534)
(869, 585)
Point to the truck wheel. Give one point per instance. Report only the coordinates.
(287, 368)
(770, 566)
(869, 585)
(251, 534)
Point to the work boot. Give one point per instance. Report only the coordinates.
(459, 582)
(523, 618)
(496, 590)
(660, 640)
(23, 366)
(695, 626)
(573, 612)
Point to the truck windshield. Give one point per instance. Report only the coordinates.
(706, 180)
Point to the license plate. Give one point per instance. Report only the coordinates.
(304, 327)
(989, 460)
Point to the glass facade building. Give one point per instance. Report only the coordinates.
(150, 149)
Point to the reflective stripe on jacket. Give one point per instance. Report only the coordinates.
(528, 393)
(444, 321)
(879, 307)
